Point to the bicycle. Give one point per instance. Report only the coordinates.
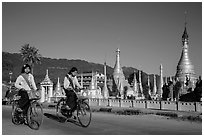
(83, 111)
(34, 116)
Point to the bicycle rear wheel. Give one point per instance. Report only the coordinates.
(61, 114)
(84, 114)
(35, 115)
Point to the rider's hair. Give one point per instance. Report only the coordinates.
(72, 70)
(24, 67)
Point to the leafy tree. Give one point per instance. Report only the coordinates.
(198, 89)
(30, 55)
(166, 91)
(195, 95)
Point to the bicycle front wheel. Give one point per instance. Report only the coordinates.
(84, 114)
(35, 115)
(16, 119)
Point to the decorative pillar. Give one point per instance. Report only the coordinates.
(140, 83)
(155, 86)
(50, 90)
(161, 82)
(148, 84)
(42, 99)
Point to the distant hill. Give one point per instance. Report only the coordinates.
(59, 67)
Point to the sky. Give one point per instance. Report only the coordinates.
(147, 33)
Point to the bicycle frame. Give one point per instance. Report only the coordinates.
(83, 111)
(28, 113)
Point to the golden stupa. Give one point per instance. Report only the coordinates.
(185, 70)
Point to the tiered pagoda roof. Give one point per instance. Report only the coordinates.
(47, 80)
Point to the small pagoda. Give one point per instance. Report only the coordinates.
(46, 89)
(59, 91)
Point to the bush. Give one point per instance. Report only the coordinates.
(105, 109)
(129, 112)
(192, 118)
(169, 114)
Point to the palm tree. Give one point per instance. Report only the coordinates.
(30, 55)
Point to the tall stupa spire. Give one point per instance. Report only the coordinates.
(135, 85)
(117, 68)
(185, 68)
(105, 89)
(140, 82)
(118, 75)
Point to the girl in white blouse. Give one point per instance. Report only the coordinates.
(25, 83)
(70, 84)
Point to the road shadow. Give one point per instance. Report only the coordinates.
(62, 119)
(54, 117)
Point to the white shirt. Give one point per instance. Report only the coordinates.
(67, 83)
(21, 82)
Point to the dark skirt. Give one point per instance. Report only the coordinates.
(71, 99)
(24, 100)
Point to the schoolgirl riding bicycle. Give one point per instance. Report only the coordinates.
(70, 84)
(25, 83)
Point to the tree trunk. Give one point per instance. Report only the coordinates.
(32, 69)
(32, 66)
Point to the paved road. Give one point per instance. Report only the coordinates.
(104, 124)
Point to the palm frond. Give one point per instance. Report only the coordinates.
(30, 54)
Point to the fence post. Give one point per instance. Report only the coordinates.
(160, 105)
(98, 101)
(108, 103)
(195, 106)
(145, 104)
(177, 107)
(132, 103)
